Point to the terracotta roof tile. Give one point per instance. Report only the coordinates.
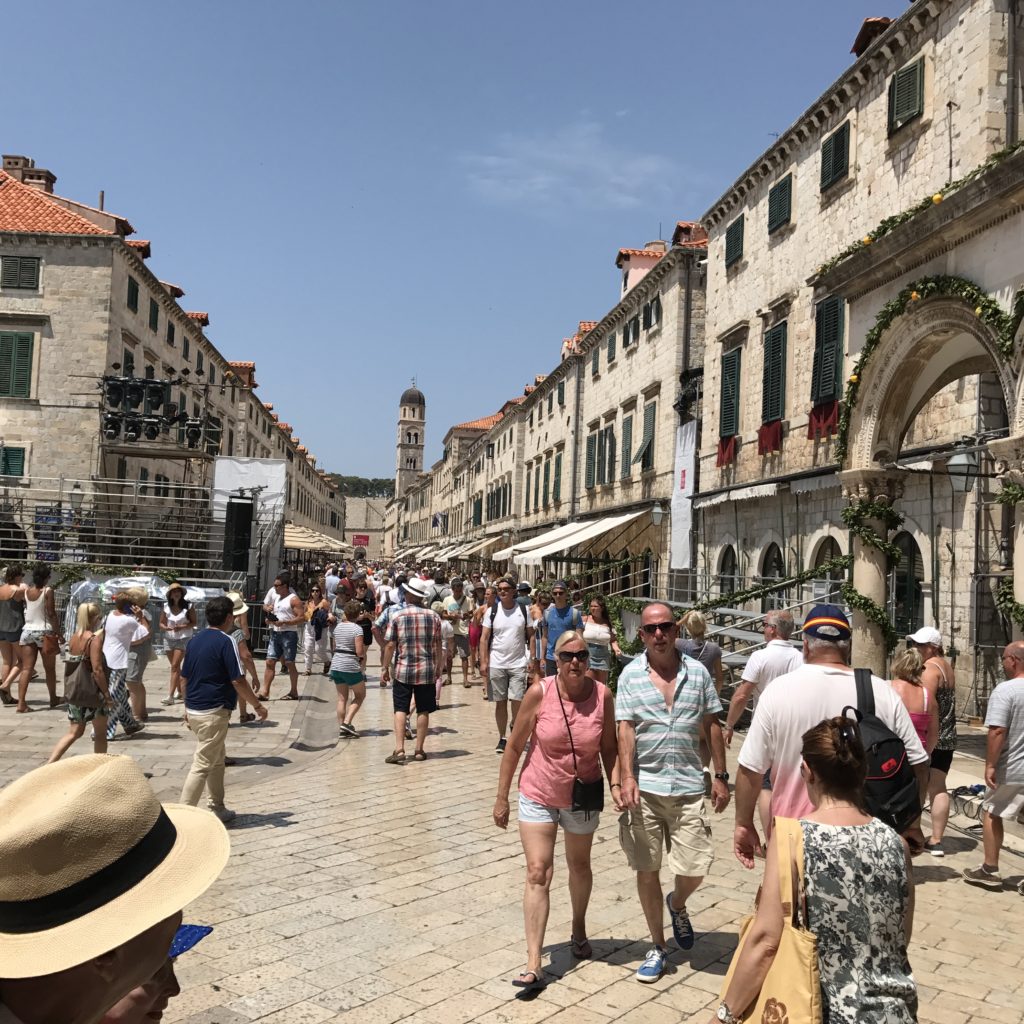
(142, 247)
(244, 366)
(484, 423)
(625, 254)
(174, 289)
(25, 209)
(203, 318)
(586, 326)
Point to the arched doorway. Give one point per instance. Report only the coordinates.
(728, 577)
(773, 567)
(826, 586)
(906, 583)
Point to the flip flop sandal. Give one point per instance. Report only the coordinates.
(530, 981)
(581, 948)
(395, 758)
(419, 756)
(289, 696)
(5, 696)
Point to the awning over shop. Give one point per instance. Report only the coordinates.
(584, 532)
(480, 546)
(445, 553)
(301, 538)
(736, 494)
(535, 542)
(456, 552)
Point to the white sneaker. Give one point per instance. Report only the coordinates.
(167, 702)
(223, 813)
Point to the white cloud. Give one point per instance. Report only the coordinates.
(576, 165)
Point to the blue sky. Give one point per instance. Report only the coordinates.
(362, 192)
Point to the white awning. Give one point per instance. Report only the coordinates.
(302, 538)
(536, 542)
(444, 553)
(737, 494)
(583, 533)
(480, 546)
(813, 483)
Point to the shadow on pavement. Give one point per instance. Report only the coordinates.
(276, 819)
(271, 761)
(438, 755)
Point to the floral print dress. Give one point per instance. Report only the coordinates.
(857, 890)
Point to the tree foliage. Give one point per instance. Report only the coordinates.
(364, 487)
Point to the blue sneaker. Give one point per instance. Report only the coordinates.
(653, 966)
(681, 927)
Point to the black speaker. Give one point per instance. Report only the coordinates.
(237, 531)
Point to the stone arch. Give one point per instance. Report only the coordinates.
(818, 539)
(935, 342)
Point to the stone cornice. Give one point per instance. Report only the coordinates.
(900, 36)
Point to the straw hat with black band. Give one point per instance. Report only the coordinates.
(90, 860)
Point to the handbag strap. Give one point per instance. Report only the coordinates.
(789, 840)
(572, 746)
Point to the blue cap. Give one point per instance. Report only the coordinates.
(827, 622)
(186, 937)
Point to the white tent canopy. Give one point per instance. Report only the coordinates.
(582, 532)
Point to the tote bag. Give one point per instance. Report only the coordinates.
(80, 686)
(791, 992)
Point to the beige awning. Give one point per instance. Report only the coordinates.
(480, 546)
(536, 542)
(583, 532)
(302, 538)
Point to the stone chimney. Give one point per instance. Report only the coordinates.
(659, 245)
(869, 32)
(25, 171)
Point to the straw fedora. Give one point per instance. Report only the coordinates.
(240, 607)
(91, 860)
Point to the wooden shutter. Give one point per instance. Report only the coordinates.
(773, 385)
(13, 462)
(627, 446)
(648, 458)
(780, 204)
(556, 488)
(591, 460)
(611, 347)
(835, 156)
(547, 482)
(595, 362)
(729, 409)
(601, 457)
(906, 95)
(9, 272)
(828, 350)
(634, 325)
(19, 272)
(526, 504)
(647, 315)
(609, 453)
(656, 310)
(16, 365)
(734, 241)
(133, 295)
(561, 392)
(154, 314)
(170, 334)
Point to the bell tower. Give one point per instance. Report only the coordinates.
(412, 425)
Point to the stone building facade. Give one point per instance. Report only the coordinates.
(852, 352)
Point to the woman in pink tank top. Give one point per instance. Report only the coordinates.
(906, 681)
(569, 721)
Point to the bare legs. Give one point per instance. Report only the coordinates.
(28, 654)
(422, 726)
(12, 664)
(350, 700)
(75, 732)
(268, 678)
(648, 887)
(175, 659)
(992, 838)
(939, 797)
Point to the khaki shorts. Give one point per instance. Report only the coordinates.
(678, 822)
(1004, 801)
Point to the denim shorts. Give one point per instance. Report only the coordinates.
(282, 644)
(600, 657)
(346, 678)
(34, 637)
(11, 636)
(174, 643)
(579, 823)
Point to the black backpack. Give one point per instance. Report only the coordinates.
(494, 615)
(890, 791)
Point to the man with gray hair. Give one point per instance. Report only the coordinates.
(796, 702)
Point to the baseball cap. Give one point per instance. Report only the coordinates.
(524, 587)
(827, 622)
(926, 635)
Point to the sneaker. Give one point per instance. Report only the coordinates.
(346, 730)
(935, 849)
(167, 702)
(134, 730)
(653, 966)
(681, 927)
(223, 813)
(1020, 888)
(500, 748)
(981, 876)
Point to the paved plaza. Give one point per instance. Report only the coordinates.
(366, 892)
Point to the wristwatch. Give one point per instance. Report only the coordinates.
(725, 1015)
(722, 776)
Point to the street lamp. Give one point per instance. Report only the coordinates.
(962, 469)
(76, 497)
(657, 514)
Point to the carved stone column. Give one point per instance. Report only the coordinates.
(1008, 453)
(870, 566)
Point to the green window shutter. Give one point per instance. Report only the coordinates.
(906, 95)
(13, 462)
(16, 352)
(734, 241)
(625, 336)
(780, 204)
(9, 272)
(547, 482)
(602, 440)
(19, 272)
(828, 350)
(609, 453)
(133, 295)
(526, 504)
(536, 488)
(595, 362)
(556, 488)
(170, 334)
(835, 156)
(647, 462)
(729, 409)
(561, 392)
(647, 315)
(611, 347)
(634, 329)
(627, 446)
(154, 315)
(656, 310)
(590, 475)
(184, 346)
(773, 385)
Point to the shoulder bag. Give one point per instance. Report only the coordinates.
(80, 686)
(792, 988)
(586, 796)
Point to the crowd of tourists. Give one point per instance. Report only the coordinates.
(836, 766)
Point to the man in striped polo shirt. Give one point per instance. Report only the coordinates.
(664, 703)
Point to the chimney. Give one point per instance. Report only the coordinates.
(658, 245)
(869, 32)
(24, 170)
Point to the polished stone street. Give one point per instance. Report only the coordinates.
(361, 891)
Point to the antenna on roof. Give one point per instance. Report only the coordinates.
(413, 381)
(659, 229)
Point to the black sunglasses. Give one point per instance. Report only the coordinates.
(567, 656)
(651, 628)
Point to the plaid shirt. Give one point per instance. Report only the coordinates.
(415, 630)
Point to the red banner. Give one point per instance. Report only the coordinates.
(360, 540)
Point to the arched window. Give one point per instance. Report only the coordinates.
(728, 579)
(408, 437)
(906, 579)
(773, 568)
(416, 437)
(827, 584)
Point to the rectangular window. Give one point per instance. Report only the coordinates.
(611, 348)
(729, 409)
(828, 350)
(602, 447)
(647, 320)
(561, 392)
(551, 403)
(547, 482)
(780, 204)
(609, 454)
(143, 480)
(16, 352)
(627, 446)
(645, 456)
(906, 95)
(595, 362)
(184, 346)
(133, 294)
(199, 361)
(154, 315)
(835, 156)
(556, 486)
(181, 413)
(19, 272)
(170, 334)
(634, 329)
(150, 373)
(128, 365)
(529, 479)
(536, 488)
(734, 241)
(213, 374)
(12, 461)
(656, 311)
(590, 475)
(773, 384)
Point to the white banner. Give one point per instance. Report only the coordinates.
(681, 555)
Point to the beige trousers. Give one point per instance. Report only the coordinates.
(207, 771)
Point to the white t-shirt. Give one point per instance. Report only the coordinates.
(119, 632)
(797, 702)
(1006, 711)
(508, 636)
(776, 658)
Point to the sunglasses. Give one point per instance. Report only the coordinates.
(559, 593)
(566, 656)
(652, 627)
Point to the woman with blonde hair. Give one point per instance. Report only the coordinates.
(81, 648)
(139, 657)
(697, 646)
(906, 671)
